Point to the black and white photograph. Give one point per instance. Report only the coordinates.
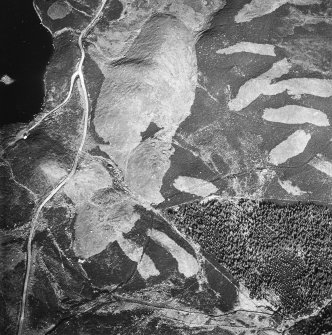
(166, 167)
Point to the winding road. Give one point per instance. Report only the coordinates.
(77, 74)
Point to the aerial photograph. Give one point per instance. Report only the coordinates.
(166, 167)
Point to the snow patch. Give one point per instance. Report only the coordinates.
(294, 114)
(187, 263)
(292, 146)
(145, 267)
(262, 84)
(5, 79)
(299, 86)
(290, 188)
(321, 164)
(255, 48)
(258, 8)
(195, 186)
(253, 88)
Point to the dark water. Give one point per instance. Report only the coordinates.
(25, 49)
